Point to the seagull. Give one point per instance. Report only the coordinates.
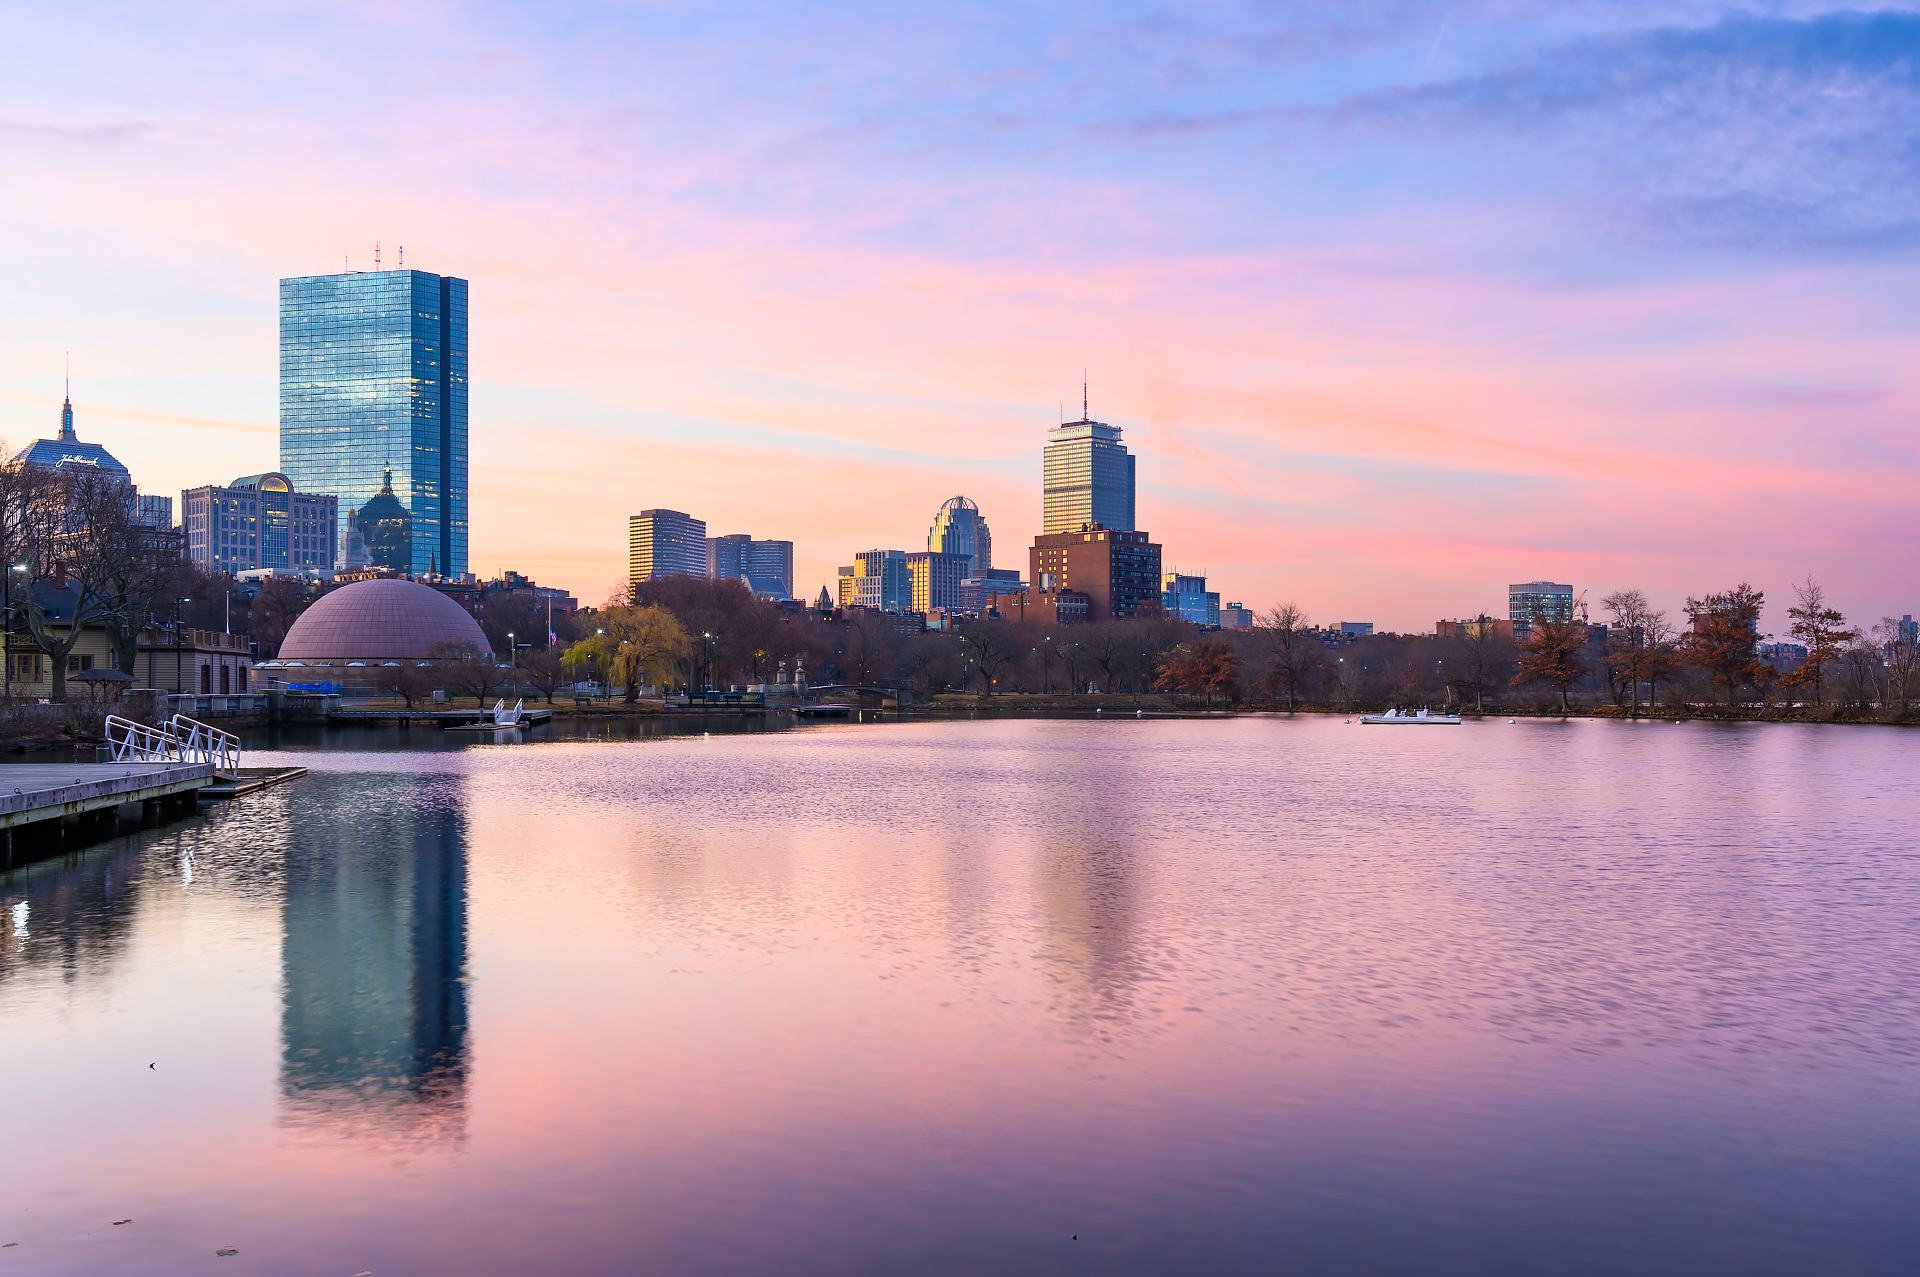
(149, 1066)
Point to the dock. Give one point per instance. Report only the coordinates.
(434, 717)
(36, 798)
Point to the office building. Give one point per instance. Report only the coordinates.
(153, 512)
(978, 595)
(1118, 570)
(1481, 627)
(959, 529)
(1909, 629)
(1186, 598)
(765, 567)
(937, 579)
(373, 401)
(1088, 475)
(880, 580)
(1357, 629)
(1552, 603)
(665, 543)
(259, 522)
(1235, 616)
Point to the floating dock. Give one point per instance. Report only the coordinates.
(435, 717)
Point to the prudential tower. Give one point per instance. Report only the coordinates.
(1088, 476)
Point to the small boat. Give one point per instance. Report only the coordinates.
(1395, 716)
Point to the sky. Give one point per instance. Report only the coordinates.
(1396, 303)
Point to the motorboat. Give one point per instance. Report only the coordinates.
(1395, 716)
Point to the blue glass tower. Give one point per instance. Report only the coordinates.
(373, 380)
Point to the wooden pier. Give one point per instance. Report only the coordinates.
(36, 798)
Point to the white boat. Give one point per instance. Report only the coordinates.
(1395, 716)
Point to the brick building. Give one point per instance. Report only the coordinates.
(1118, 571)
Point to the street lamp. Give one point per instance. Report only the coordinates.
(11, 569)
(177, 605)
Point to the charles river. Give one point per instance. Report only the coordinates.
(1248, 995)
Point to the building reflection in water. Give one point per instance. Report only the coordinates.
(73, 915)
(374, 1021)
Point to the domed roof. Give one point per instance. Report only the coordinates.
(387, 619)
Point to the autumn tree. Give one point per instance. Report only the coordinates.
(1725, 636)
(1552, 654)
(1293, 653)
(1208, 667)
(1822, 630)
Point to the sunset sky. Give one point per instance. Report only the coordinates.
(1396, 303)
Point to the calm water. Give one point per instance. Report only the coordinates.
(1249, 996)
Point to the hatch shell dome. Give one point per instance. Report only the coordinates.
(387, 619)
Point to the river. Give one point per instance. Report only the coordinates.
(1244, 995)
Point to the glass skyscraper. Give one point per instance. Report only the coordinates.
(1088, 477)
(373, 381)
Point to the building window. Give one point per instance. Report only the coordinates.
(76, 664)
(226, 676)
(206, 679)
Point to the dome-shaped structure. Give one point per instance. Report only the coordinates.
(386, 620)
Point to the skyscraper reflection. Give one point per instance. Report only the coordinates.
(374, 1018)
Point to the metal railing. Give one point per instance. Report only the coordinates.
(199, 743)
(504, 717)
(133, 742)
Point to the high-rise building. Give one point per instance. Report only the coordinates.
(665, 543)
(1118, 571)
(1088, 477)
(937, 579)
(959, 529)
(259, 522)
(765, 567)
(882, 581)
(1186, 598)
(373, 395)
(66, 452)
(1552, 602)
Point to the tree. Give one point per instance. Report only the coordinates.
(468, 669)
(1293, 652)
(1479, 653)
(1725, 636)
(1900, 646)
(413, 680)
(990, 645)
(928, 660)
(1208, 667)
(1552, 654)
(631, 647)
(544, 669)
(273, 611)
(1628, 653)
(1822, 630)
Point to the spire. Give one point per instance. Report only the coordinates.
(66, 409)
(386, 482)
(1083, 396)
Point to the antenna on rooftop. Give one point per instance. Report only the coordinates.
(376, 254)
(403, 257)
(1083, 396)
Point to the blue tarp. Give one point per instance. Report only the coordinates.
(325, 689)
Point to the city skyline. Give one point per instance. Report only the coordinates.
(1380, 348)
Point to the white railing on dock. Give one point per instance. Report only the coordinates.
(199, 743)
(133, 742)
(504, 717)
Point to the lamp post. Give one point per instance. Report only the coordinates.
(177, 605)
(11, 569)
(513, 659)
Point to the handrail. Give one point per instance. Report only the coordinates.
(139, 743)
(504, 717)
(201, 743)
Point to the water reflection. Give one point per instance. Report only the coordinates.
(73, 915)
(374, 1016)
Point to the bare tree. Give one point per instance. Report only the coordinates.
(1900, 648)
(1293, 652)
(1822, 630)
(545, 671)
(991, 645)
